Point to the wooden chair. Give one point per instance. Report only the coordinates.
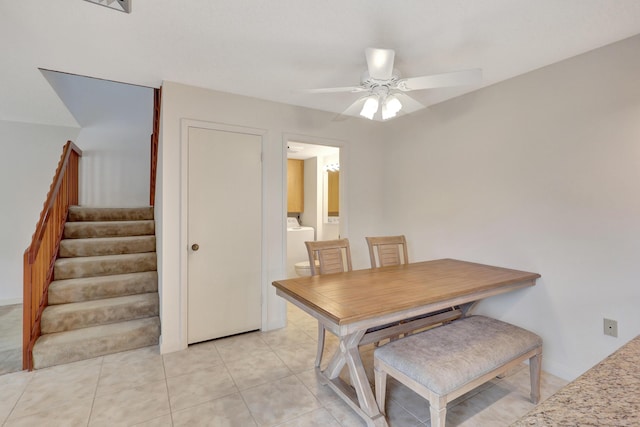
(333, 256)
(392, 250)
(388, 250)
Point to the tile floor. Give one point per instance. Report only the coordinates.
(255, 379)
(10, 338)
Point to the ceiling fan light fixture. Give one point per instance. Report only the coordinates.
(393, 104)
(370, 107)
(390, 107)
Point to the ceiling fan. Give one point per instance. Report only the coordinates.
(383, 89)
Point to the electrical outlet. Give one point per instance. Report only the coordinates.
(611, 327)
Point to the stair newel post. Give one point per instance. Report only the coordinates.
(27, 320)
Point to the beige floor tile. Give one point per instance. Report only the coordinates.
(297, 358)
(289, 336)
(279, 401)
(519, 381)
(137, 355)
(228, 411)
(295, 314)
(412, 402)
(309, 329)
(317, 418)
(131, 406)
(342, 412)
(314, 384)
(496, 406)
(259, 369)
(201, 386)
(58, 385)
(10, 360)
(241, 346)
(194, 389)
(194, 359)
(69, 414)
(11, 388)
(115, 377)
(163, 421)
(397, 416)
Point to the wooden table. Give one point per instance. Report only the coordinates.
(347, 304)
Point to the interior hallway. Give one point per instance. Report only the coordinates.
(255, 379)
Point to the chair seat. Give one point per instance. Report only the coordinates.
(445, 358)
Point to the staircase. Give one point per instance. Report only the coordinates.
(104, 297)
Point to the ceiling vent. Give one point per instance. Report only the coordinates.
(121, 5)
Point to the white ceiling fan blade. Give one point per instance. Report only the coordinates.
(409, 105)
(380, 63)
(355, 108)
(455, 78)
(352, 89)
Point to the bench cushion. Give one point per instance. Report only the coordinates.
(445, 358)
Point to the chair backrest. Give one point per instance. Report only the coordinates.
(334, 256)
(388, 249)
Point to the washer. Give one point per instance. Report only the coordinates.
(296, 249)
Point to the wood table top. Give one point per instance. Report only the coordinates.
(365, 294)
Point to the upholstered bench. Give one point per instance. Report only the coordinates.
(443, 363)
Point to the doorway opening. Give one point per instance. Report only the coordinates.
(313, 198)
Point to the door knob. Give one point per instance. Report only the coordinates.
(195, 247)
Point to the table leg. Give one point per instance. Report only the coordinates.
(348, 354)
(466, 307)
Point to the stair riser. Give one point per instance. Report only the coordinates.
(49, 350)
(96, 247)
(77, 213)
(104, 297)
(82, 230)
(89, 289)
(55, 321)
(70, 268)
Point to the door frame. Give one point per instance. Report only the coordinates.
(185, 124)
(344, 179)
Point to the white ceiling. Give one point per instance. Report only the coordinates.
(270, 48)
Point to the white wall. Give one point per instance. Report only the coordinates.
(31, 155)
(115, 165)
(117, 122)
(540, 173)
(312, 215)
(280, 121)
(330, 230)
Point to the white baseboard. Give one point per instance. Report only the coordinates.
(10, 301)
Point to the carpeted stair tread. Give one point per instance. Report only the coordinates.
(96, 246)
(82, 213)
(87, 229)
(70, 268)
(66, 317)
(81, 344)
(92, 288)
(104, 296)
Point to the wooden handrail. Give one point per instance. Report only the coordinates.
(157, 94)
(41, 254)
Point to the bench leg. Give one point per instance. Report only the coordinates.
(321, 334)
(381, 386)
(438, 409)
(535, 368)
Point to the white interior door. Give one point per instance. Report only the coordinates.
(225, 222)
